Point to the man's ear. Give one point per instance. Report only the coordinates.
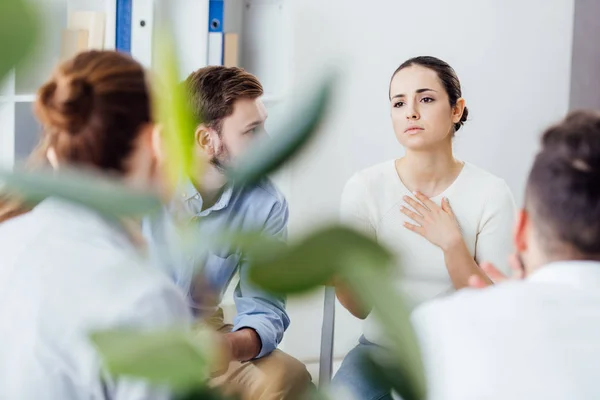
(520, 231)
(204, 139)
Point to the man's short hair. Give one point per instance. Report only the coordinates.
(213, 90)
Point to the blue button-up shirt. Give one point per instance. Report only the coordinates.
(261, 207)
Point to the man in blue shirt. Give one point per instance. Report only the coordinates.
(228, 101)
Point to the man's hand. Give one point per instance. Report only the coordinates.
(495, 275)
(244, 344)
(241, 345)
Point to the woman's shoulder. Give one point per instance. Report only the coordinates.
(371, 191)
(491, 189)
(372, 176)
(483, 179)
(379, 170)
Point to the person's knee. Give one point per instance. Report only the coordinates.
(353, 378)
(297, 376)
(286, 375)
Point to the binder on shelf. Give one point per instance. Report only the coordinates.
(215, 15)
(73, 41)
(215, 48)
(231, 50)
(110, 24)
(123, 26)
(91, 21)
(215, 32)
(135, 21)
(142, 26)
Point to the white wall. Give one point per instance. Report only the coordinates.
(512, 56)
(585, 67)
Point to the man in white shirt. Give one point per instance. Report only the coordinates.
(537, 337)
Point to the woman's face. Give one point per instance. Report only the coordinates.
(421, 113)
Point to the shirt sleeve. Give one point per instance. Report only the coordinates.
(156, 308)
(494, 239)
(354, 210)
(256, 309)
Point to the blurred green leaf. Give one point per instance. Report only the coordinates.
(172, 106)
(252, 243)
(171, 357)
(404, 356)
(315, 260)
(193, 241)
(269, 154)
(102, 194)
(205, 393)
(19, 30)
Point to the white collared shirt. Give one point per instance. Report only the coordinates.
(64, 272)
(533, 339)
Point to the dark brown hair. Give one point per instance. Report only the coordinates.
(91, 111)
(447, 76)
(213, 90)
(93, 107)
(563, 188)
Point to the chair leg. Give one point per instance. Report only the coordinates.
(327, 334)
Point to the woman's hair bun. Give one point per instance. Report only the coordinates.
(576, 142)
(66, 104)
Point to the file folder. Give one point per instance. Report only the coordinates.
(215, 32)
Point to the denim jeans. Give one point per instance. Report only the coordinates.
(351, 377)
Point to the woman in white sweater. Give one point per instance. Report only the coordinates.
(440, 215)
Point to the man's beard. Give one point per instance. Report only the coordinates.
(222, 160)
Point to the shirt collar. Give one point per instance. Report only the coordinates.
(583, 273)
(193, 200)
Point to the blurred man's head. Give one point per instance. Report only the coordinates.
(227, 100)
(561, 219)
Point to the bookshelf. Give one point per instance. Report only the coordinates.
(19, 131)
(263, 26)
